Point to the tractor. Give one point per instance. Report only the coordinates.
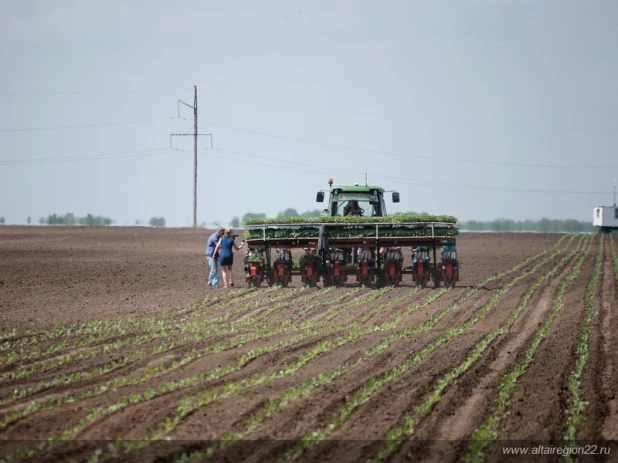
(353, 236)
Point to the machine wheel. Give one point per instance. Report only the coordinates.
(282, 281)
(450, 282)
(254, 282)
(393, 280)
(309, 281)
(337, 281)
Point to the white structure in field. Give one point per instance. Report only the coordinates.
(606, 217)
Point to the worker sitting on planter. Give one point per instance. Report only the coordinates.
(420, 254)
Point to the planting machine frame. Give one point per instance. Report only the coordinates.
(377, 259)
(368, 246)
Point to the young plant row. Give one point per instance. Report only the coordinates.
(171, 386)
(101, 329)
(135, 355)
(161, 369)
(196, 402)
(577, 404)
(492, 427)
(395, 437)
(120, 329)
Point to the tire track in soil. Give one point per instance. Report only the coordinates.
(311, 413)
(464, 407)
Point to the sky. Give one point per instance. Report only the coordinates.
(474, 108)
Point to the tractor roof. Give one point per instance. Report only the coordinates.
(356, 188)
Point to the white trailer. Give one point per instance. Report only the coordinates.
(605, 217)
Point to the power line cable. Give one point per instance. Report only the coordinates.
(422, 118)
(406, 180)
(414, 156)
(334, 109)
(79, 126)
(94, 92)
(115, 155)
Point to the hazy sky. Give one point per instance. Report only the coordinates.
(477, 108)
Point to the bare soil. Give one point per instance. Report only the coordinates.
(117, 335)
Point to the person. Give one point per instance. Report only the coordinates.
(224, 246)
(352, 208)
(212, 258)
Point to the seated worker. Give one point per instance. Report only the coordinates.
(420, 252)
(352, 208)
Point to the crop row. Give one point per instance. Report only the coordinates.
(395, 437)
(492, 427)
(109, 328)
(577, 404)
(259, 332)
(160, 335)
(189, 405)
(289, 369)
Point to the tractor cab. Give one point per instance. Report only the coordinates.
(355, 200)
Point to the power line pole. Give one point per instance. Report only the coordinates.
(195, 134)
(195, 156)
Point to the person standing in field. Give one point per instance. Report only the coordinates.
(213, 258)
(224, 247)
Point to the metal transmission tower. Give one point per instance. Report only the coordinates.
(195, 134)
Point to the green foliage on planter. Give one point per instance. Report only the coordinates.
(403, 218)
(311, 232)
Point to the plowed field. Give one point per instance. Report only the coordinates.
(113, 348)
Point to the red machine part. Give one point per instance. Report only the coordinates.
(450, 274)
(364, 273)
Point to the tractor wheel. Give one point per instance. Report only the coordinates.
(282, 281)
(255, 282)
(450, 282)
(393, 280)
(337, 281)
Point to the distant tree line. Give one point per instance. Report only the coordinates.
(70, 219)
(543, 225)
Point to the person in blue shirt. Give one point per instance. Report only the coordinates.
(213, 258)
(224, 247)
